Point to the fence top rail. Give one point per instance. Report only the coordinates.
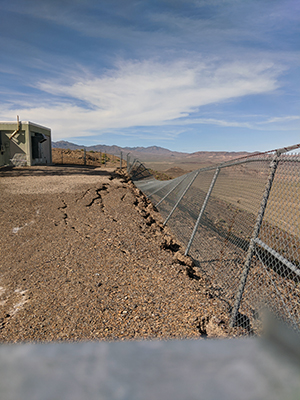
(242, 160)
(266, 156)
(258, 157)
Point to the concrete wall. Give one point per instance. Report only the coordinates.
(20, 146)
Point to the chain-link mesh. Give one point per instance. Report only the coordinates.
(222, 239)
(138, 171)
(240, 223)
(274, 279)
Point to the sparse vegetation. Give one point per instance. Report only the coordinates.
(161, 176)
(77, 157)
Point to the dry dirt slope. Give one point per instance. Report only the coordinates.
(84, 256)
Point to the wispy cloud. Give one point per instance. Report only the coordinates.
(287, 118)
(257, 123)
(217, 122)
(146, 93)
(181, 65)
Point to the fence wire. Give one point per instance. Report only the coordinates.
(239, 221)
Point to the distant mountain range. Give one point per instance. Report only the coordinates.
(151, 152)
(154, 150)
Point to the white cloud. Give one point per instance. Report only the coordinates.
(287, 118)
(145, 94)
(270, 124)
(218, 122)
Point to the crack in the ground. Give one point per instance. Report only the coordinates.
(201, 326)
(84, 194)
(65, 215)
(192, 274)
(148, 211)
(170, 244)
(98, 197)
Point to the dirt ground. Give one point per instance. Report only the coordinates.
(84, 256)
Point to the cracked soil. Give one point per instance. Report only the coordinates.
(84, 256)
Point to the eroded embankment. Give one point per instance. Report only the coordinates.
(85, 256)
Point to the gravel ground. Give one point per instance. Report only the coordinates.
(84, 256)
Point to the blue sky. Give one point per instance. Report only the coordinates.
(188, 75)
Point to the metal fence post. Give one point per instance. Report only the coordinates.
(127, 161)
(202, 211)
(181, 197)
(84, 156)
(259, 219)
(121, 160)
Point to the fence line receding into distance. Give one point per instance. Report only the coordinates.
(240, 221)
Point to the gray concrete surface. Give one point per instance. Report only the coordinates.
(232, 369)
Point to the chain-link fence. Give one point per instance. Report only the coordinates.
(240, 222)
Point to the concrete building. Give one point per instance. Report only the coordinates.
(24, 143)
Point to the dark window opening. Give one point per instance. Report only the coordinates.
(1, 144)
(36, 148)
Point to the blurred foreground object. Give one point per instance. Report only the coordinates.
(247, 368)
